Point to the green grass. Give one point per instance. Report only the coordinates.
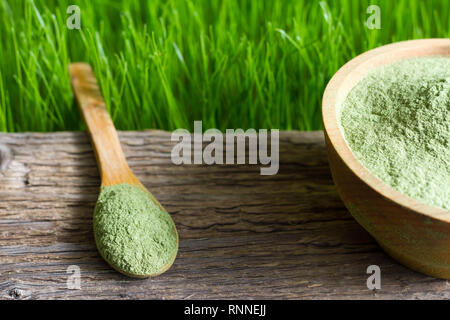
(162, 64)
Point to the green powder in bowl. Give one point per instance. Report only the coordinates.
(396, 121)
(133, 234)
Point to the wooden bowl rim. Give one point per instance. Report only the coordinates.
(350, 74)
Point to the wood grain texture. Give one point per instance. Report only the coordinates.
(242, 235)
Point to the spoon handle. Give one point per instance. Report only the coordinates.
(110, 157)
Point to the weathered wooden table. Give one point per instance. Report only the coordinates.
(242, 235)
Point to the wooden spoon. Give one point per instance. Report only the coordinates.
(111, 160)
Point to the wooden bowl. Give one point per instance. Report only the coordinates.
(414, 233)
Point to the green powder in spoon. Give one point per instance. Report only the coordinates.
(133, 233)
(396, 121)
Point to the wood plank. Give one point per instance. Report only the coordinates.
(242, 235)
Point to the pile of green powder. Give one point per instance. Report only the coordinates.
(396, 121)
(133, 233)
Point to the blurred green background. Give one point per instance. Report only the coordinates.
(162, 64)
